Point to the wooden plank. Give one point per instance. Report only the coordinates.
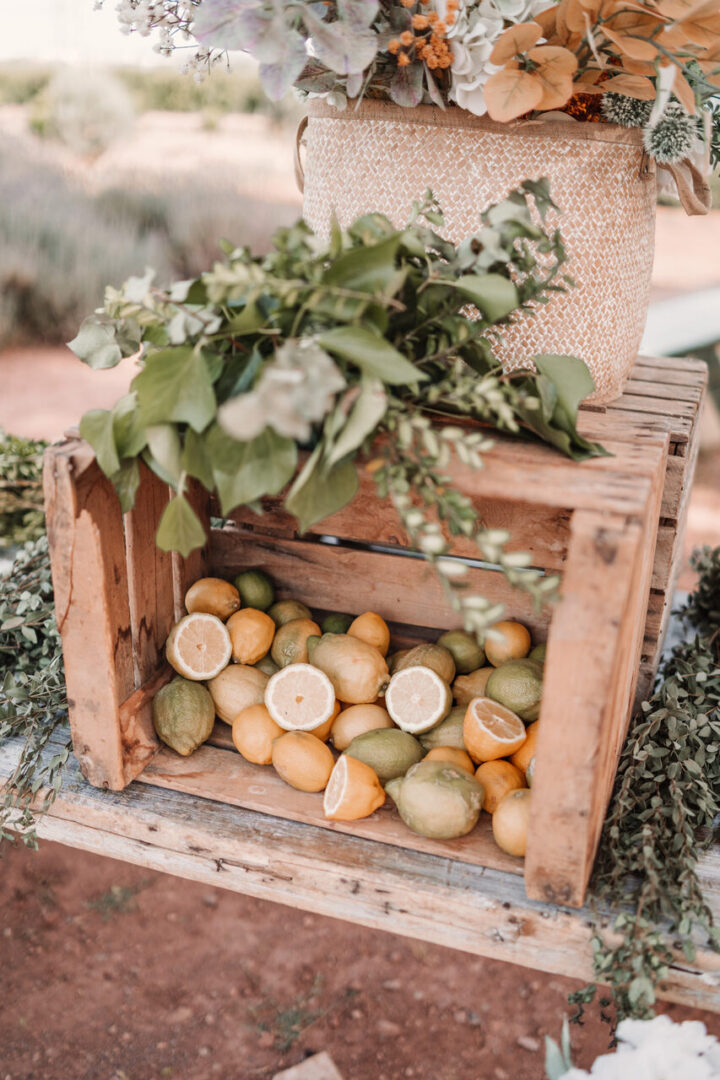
(478, 911)
(339, 578)
(85, 533)
(664, 394)
(186, 571)
(683, 379)
(150, 577)
(225, 776)
(689, 364)
(575, 717)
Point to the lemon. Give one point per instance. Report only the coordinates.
(507, 640)
(417, 699)
(198, 647)
(467, 687)
(373, 629)
(511, 821)
(268, 665)
(183, 715)
(356, 720)
(357, 670)
(491, 731)
(255, 588)
(300, 697)
(437, 800)
(283, 611)
(431, 656)
(526, 753)
(323, 732)
(498, 778)
(251, 633)
(235, 689)
(449, 732)
(253, 732)
(213, 596)
(530, 772)
(539, 652)
(460, 758)
(336, 623)
(389, 752)
(290, 644)
(464, 649)
(517, 684)
(302, 761)
(395, 659)
(353, 791)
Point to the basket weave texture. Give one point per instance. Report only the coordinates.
(381, 157)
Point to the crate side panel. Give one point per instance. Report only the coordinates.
(188, 570)
(85, 533)
(339, 578)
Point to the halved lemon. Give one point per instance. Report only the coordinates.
(300, 697)
(417, 699)
(490, 731)
(199, 646)
(353, 791)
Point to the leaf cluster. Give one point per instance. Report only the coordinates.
(282, 370)
(665, 801)
(21, 497)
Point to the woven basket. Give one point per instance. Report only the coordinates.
(382, 157)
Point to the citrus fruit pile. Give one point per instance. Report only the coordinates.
(448, 729)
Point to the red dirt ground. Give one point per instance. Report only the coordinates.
(112, 972)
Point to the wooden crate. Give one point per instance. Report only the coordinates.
(117, 596)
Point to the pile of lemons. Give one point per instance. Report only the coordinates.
(447, 729)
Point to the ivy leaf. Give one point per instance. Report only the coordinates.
(180, 529)
(96, 427)
(126, 481)
(339, 45)
(366, 414)
(373, 354)
(245, 471)
(130, 435)
(175, 385)
(96, 344)
(563, 382)
(164, 446)
(318, 492)
(196, 460)
(370, 269)
(492, 294)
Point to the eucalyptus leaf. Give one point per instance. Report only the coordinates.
(245, 471)
(371, 269)
(96, 427)
(96, 343)
(180, 528)
(367, 412)
(175, 385)
(319, 492)
(406, 86)
(373, 354)
(339, 45)
(230, 24)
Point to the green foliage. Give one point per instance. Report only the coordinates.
(33, 702)
(320, 348)
(666, 797)
(21, 497)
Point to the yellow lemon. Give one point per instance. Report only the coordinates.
(353, 791)
(511, 821)
(198, 647)
(432, 656)
(356, 720)
(467, 687)
(498, 778)
(507, 640)
(302, 761)
(253, 732)
(373, 629)
(417, 699)
(357, 670)
(251, 633)
(459, 758)
(526, 753)
(235, 689)
(491, 731)
(300, 697)
(290, 644)
(323, 732)
(214, 596)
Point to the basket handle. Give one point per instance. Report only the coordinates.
(692, 187)
(299, 170)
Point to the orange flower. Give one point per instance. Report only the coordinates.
(403, 60)
(408, 3)
(420, 22)
(393, 46)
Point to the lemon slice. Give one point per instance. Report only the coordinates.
(353, 791)
(417, 699)
(490, 731)
(300, 697)
(199, 646)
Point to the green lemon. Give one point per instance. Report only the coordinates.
(436, 657)
(437, 800)
(286, 610)
(464, 649)
(267, 664)
(517, 684)
(449, 732)
(388, 751)
(538, 653)
(336, 623)
(255, 588)
(183, 715)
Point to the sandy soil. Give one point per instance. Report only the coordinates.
(112, 972)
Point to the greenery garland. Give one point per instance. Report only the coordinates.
(21, 497)
(665, 800)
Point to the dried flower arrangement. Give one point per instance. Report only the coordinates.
(654, 65)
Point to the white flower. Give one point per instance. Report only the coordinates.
(296, 389)
(657, 1049)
